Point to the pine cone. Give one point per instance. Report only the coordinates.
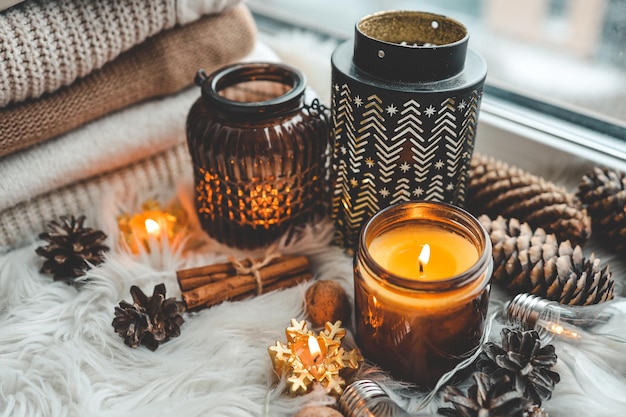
(72, 248)
(603, 192)
(149, 321)
(495, 188)
(522, 359)
(533, 261)
(486, 398)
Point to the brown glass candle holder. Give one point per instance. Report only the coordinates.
(260, 154)
(418, 318)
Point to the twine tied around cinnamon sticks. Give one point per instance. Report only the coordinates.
(205, 286)
(255, 266)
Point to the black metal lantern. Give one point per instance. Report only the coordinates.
(405, 102)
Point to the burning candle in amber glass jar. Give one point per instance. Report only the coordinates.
(260, 154)
(421, 278)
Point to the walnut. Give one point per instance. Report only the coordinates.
(326, 300)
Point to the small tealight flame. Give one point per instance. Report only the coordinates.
(424, 257)
(152, 227)
(314, 348)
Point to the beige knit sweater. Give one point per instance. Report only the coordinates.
(45, 44)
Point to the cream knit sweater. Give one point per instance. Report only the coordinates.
(45, 44)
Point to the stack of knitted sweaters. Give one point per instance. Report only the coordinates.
(94, 95)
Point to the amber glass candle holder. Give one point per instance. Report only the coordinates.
(418, 316)
(260, 154)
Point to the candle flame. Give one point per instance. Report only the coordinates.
(424, 257)
(314, 348)
(152, 227)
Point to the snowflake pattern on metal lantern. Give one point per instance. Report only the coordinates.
(309, 359)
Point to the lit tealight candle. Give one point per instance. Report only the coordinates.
(153, 228)
(307, 359)
(151, 224)
(421, 288)
(317, 357)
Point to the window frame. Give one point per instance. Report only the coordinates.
(522, 116)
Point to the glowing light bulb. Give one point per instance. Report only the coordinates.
(594, 332)
(571, 323)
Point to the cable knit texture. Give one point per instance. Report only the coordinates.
(164, 64)
(164, 170)
(45, 45)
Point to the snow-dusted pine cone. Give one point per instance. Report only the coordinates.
(603, 192)
(527, 260)
(495, 188)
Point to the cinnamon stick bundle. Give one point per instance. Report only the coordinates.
(206, 286)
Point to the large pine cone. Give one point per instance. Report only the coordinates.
(72, 248)
(534, 262)
(495, 188)
(149, 321)
(603, 192)
(488, 397)
(522, 359)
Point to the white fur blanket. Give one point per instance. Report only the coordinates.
(59, 355)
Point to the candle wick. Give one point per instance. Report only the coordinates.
(423, 258)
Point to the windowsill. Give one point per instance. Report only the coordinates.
(556, 150)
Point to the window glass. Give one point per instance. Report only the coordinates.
(563, 55)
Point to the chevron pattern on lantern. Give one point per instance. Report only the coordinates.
(371, 126)
(373, 119)
(467, 135)
(470, 119)
(435, 190)
(443, 136)
(422, 151)
(342, 108)
(343, 122)
(444, 132)
(446, 129)
(389, 151)
(365, 204)
(402, 191)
